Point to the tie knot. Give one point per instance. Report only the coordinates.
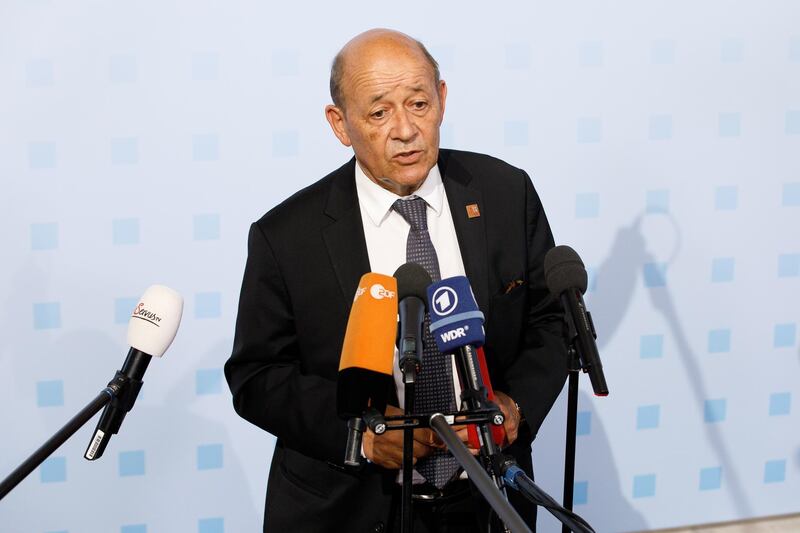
(414, 211)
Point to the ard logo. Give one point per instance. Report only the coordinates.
(445, 300)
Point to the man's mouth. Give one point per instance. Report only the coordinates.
(408, 157)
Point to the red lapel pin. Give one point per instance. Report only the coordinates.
(473, 211)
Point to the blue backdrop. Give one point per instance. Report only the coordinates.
(139, 140)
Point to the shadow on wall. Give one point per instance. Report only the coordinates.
(619, 274)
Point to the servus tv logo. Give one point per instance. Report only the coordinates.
(142, 313)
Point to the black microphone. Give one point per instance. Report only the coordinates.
(151, 329)
(566, 278)
(412, 285)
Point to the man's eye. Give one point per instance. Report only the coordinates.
(379, 114)
(420, 105)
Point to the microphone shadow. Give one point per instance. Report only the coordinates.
(605, 506)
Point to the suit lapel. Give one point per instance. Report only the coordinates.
(344, 238)
(471, 232)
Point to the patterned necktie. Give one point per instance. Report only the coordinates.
(434, 392)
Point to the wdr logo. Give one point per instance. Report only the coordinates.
(453, 334)
(445, 300)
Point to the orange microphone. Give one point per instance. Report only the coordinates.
(365, 367)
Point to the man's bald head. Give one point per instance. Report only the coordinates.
(370, 41)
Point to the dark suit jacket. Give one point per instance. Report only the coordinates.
(305, 258)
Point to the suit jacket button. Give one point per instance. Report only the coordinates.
(378, 528)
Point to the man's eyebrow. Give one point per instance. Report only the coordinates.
(417, 89)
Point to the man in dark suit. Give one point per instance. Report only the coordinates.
(306, 256)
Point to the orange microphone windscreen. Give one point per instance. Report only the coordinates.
(372, 326)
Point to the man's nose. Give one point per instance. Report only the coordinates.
(405, 129)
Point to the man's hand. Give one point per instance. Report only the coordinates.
(512, 414)
(387, 450)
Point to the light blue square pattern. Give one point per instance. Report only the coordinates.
(205, 147)
(53, 470)
(205, 66)
(660, 127)
(794, 50)
(207, 305)
(590, 54)
(589, 130)
(791, 194)
(50, 393)
(731, 51)
(719, 341)
(780, 403)
(784, 335)
(209, 456)
(211, 525)
(651, 346)
(775, 471)
(206, 227)
(726, 197)
(286, 143)
(42, 155)
(134, 528)
(580, 493)
(40, 73)
(123, 309)
(518, 55)
(647, 416)
(662, 52)
(655, 274)
(285, 62)
(644, 486)
(587, 205)
(47, 315)
(793, 122)
(722, 269)
(208, 381)
(122, 68)
(125, 151)
(715, 410)
(657, 201)
(710, 478)
(44, 236)
(125, 231)
(729, 124)
(788, 265)
(515, 133)
(131, 463)
(583, 425)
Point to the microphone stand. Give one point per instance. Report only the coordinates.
(84, 415)
(409, 365)
(477, 475)
(576, 364)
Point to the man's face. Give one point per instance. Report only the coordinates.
(392, 112)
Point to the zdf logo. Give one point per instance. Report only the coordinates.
(444, 300)
(379, 292)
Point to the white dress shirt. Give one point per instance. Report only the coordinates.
(386, 232)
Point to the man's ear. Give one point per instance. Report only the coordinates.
(442, 98)
(336, 119)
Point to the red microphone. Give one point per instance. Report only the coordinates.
(498, 432)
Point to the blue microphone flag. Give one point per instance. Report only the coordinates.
(456, 320)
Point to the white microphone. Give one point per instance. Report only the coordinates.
(151, 329)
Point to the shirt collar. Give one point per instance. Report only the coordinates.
(377, 201)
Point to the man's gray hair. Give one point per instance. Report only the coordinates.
(337, 71)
